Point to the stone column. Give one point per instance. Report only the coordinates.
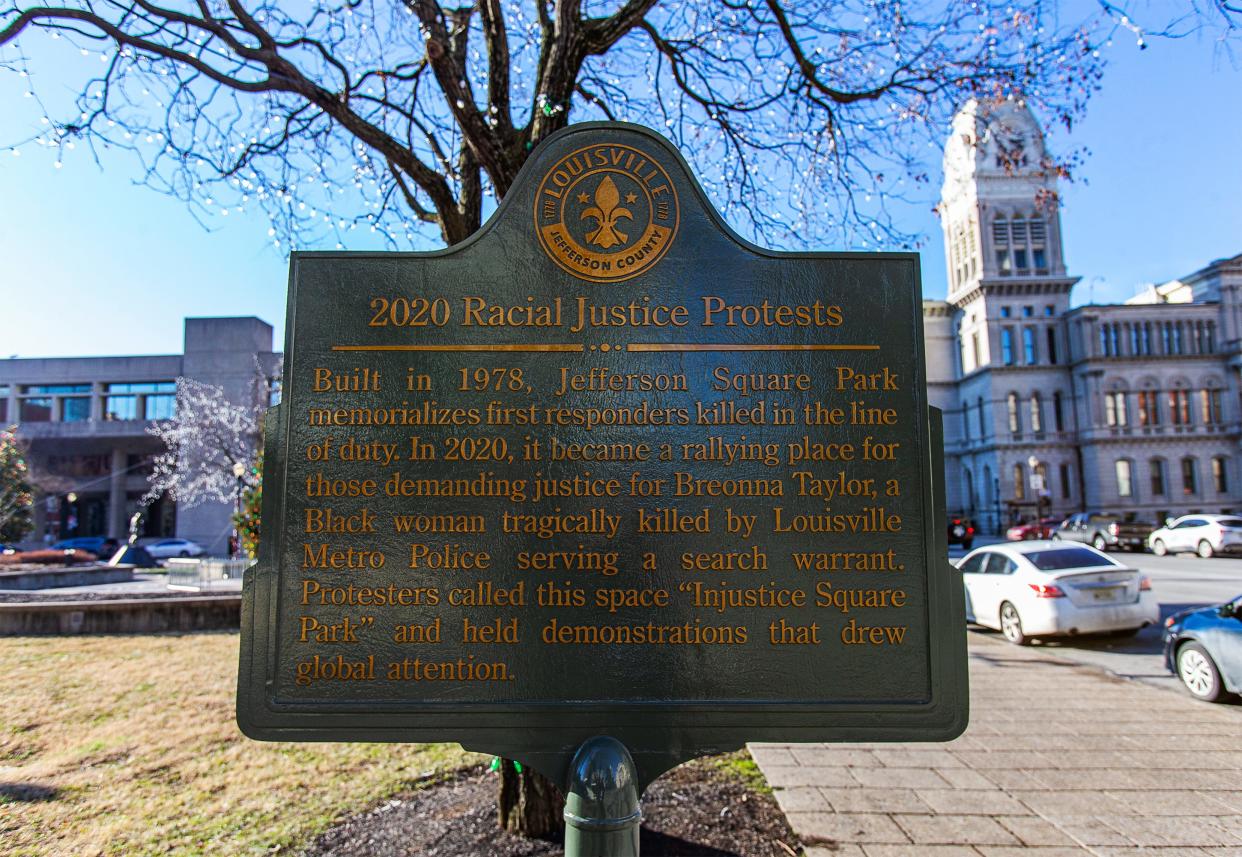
(97, 401)
(116, 495)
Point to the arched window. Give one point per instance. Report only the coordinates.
(1156, 466)
(1220, 474)
(1210, 404)
(1148, 403)
(1179, 404)
(1015, 418)
(1115, 412)
(1037, 415)
(983, 423)
(989, 485)
(1125, 481)
(1058, 418)
(969, 484)
(965, 424)
(1019, 482)
(1190, 475)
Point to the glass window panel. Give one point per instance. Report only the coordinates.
(36, 410)
(121, 408)
(143, 387)
(53, 389)
(75, 409)
(160, 407)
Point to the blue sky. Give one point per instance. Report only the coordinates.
(97, 265)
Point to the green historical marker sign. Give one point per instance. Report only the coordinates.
(603, 469)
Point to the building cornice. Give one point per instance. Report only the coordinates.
(1013, 287)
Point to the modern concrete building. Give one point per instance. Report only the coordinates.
(85, 420)
(1131, 408)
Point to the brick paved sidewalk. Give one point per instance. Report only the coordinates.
(1060, 759)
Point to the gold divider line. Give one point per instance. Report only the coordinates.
(464, 347)
(726, 346)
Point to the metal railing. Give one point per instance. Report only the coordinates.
(196, 575)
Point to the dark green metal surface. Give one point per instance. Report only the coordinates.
(602, 811)
(665, 703)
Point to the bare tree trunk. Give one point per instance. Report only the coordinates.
(529, 804)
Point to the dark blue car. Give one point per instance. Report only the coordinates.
(1204, 648)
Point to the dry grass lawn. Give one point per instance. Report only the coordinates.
(127, 746)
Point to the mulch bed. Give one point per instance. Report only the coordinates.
(697, 810)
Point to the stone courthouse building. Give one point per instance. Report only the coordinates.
(1127, 408)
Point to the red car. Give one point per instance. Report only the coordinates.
(1033, 530)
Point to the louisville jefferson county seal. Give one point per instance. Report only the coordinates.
(606, 213)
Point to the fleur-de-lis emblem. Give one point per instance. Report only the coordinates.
(607, 212)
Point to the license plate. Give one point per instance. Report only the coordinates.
(1109, 594)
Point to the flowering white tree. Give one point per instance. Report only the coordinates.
(16, 498)
(206, 437)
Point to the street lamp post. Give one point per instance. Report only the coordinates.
(239, 470)
(71, 520)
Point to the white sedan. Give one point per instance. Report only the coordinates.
(169, 548)
(1043, 589)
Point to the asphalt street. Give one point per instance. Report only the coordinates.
(1180, 582)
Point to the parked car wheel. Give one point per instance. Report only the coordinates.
(1205, 549)
(1099, 544)
(184, 554)
(1011, 625)
(1199, 674)
(1159, 548)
